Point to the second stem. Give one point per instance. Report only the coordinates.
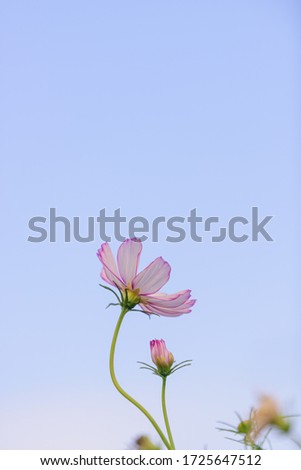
(172, 445)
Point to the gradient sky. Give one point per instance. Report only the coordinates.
(155, 108)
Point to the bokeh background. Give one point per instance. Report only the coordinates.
(155, 108)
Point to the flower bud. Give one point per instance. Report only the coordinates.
(161, 357)
(244, 427)
(144, 443)
(282, 424)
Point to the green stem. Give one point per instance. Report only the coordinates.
(172, 444)
(120, 389)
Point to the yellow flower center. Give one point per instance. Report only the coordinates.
(132, 297)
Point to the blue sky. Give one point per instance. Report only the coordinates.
(155, 108)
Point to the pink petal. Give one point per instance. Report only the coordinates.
(169, 312)
(153, 277)
(110, 273)
(104, 276)
(128, 259)
(168, 300)
(158, 348)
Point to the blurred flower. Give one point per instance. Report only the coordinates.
(142, 288)
(254, 431)
(267, 414)
(144, 443)
(161, 357)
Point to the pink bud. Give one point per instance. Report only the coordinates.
(161, 357)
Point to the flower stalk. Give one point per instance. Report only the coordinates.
(122, 391)
(166, 420)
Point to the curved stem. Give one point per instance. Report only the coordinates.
(123, 392)
(172, 445)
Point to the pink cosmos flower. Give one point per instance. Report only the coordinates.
(161, 357)
(142, 288)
